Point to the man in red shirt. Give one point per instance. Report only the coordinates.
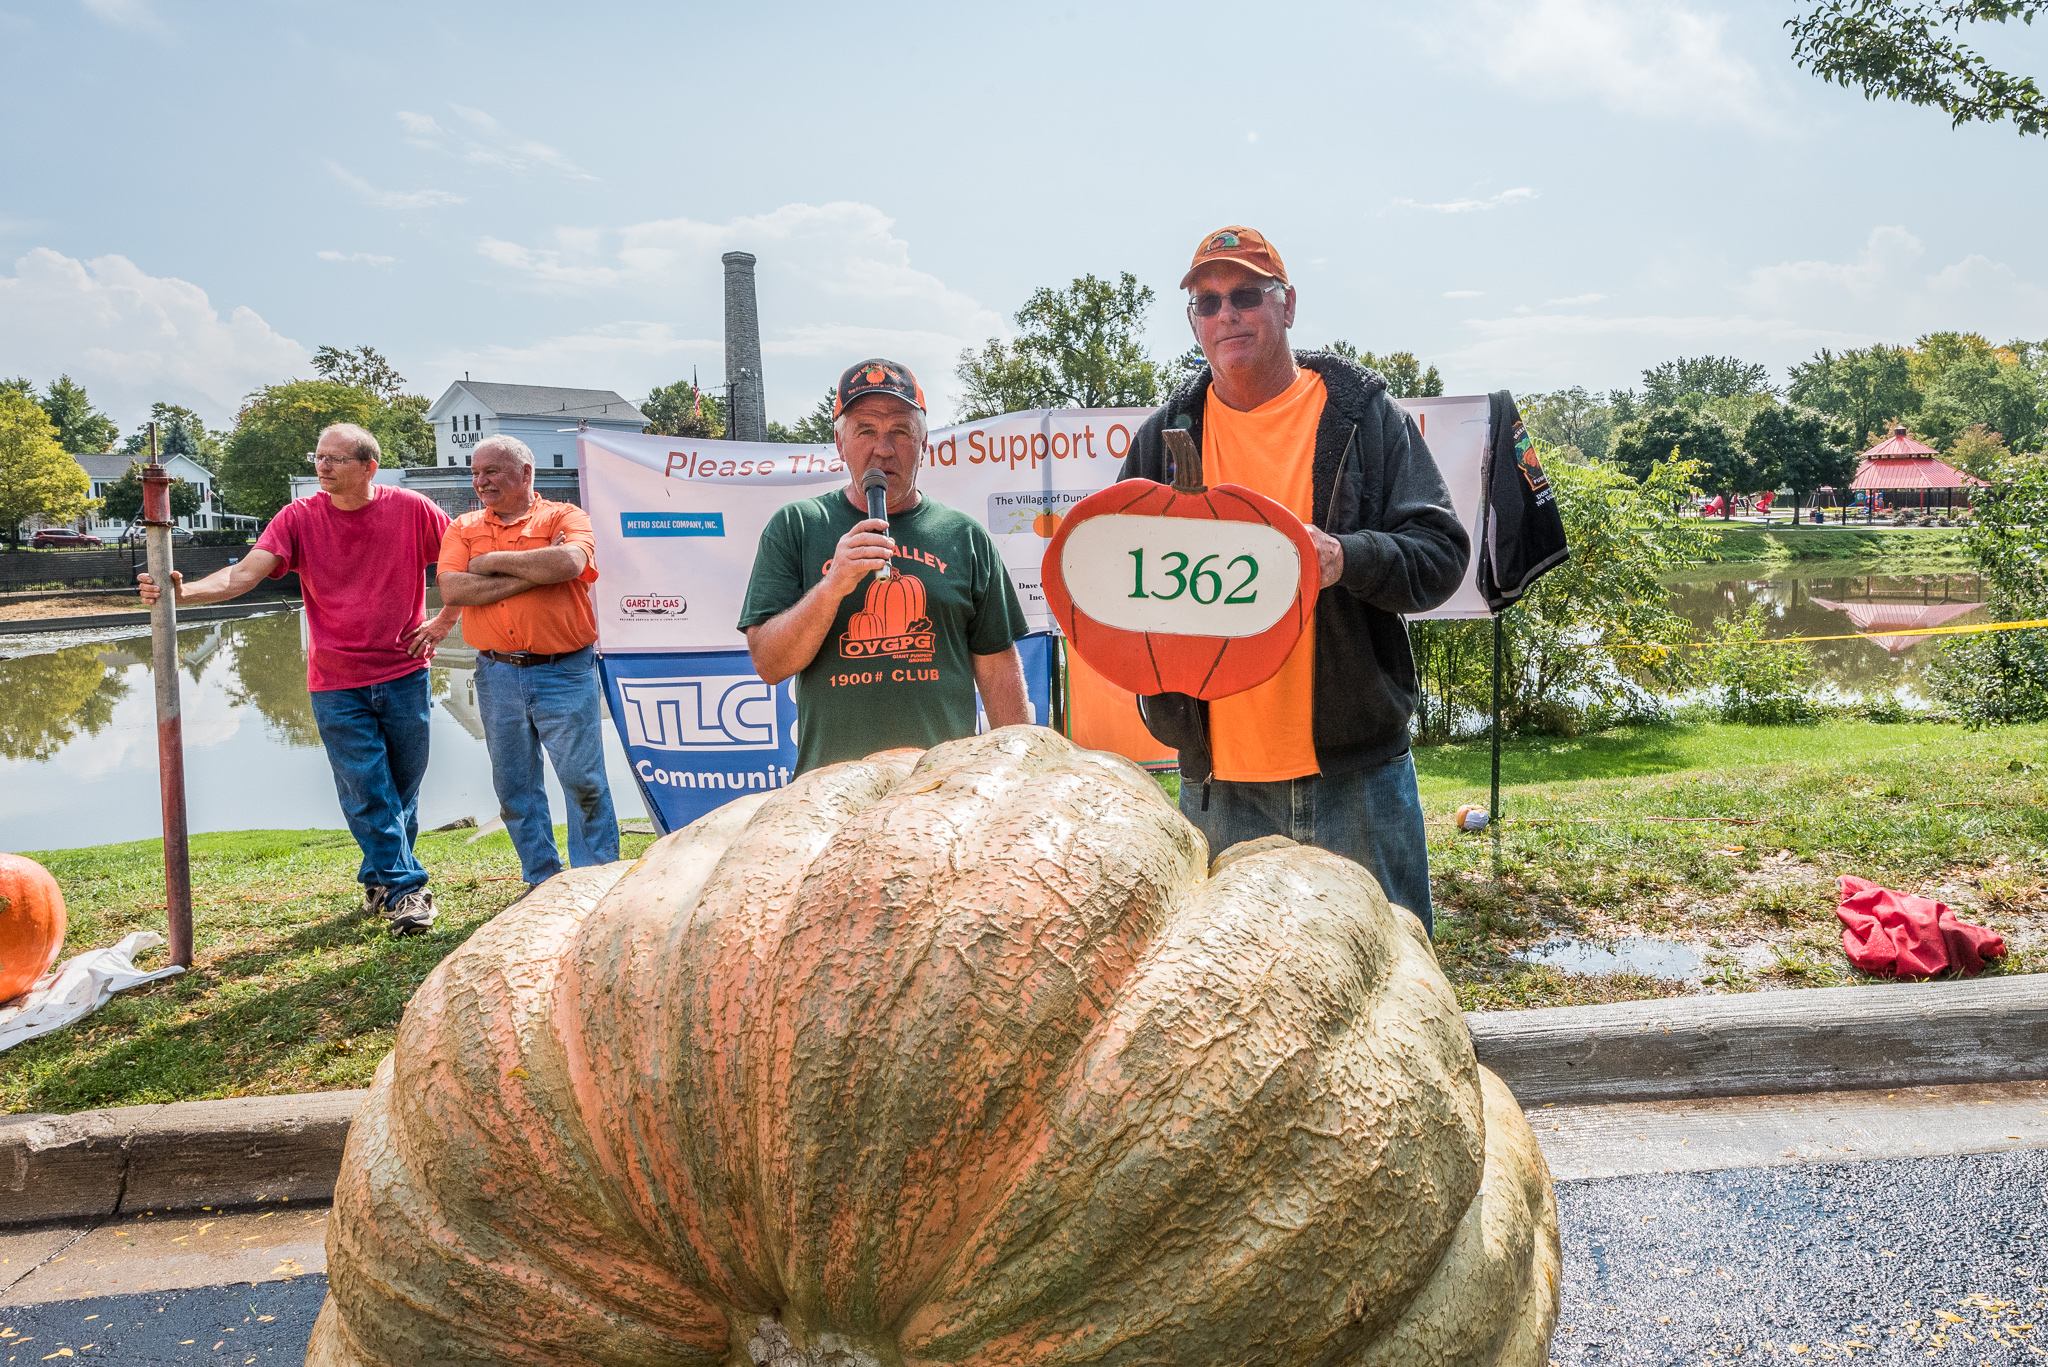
(361, 550)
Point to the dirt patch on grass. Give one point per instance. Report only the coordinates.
(70, 607)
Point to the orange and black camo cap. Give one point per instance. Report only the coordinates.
(878, 377)
(1246, 246)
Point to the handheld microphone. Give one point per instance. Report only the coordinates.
(875, 485)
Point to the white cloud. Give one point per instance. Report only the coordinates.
(392, 199)
(1463, 294)
(1519, 195)
(1575, 300)
(1888, 292)
(1782, 314)
(835, 284)
(1660, 61)
(488, 143)
(367, 258)
(132, 338)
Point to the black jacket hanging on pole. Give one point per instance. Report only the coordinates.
(1521, 536)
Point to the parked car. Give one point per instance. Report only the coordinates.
(51, 537)
(138, 536)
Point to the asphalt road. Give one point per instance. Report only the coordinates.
(1935, 1260)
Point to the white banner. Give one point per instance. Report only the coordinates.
(677, 520)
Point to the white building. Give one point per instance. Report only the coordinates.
(542, 416)
(106, 468)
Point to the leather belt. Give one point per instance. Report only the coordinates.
(525, 659)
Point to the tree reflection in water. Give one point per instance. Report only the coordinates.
(270, 675)
(52, 699)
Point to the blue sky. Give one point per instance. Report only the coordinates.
(1528, 194)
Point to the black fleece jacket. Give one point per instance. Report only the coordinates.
(1378, 491)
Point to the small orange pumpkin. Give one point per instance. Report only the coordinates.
(31, 923)
(1045, 524)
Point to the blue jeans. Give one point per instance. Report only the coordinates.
(376, 739)
(552, 705)
(1372, 817)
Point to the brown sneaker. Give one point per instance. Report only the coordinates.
(374, 897)
(411, 912)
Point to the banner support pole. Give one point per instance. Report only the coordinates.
(1493, 808)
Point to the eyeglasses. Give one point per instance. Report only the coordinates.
(318, 461)
(1243, 300)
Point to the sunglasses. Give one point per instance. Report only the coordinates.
(1243, 300)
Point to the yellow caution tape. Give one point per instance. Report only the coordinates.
(1857, 636)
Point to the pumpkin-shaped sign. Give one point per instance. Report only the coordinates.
(31, 923)
(1182, 588)
(971, 1057)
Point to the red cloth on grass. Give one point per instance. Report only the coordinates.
(1897, 935)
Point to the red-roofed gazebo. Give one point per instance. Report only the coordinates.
(1898, 464)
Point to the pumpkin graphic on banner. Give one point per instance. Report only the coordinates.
(1182, 588)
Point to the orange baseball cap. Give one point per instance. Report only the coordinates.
(1246, 246)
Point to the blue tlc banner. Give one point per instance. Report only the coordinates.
(702, 728)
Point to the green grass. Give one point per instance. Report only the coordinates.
(292, 988)
(1768, 817)
(1738, 542)
(295, 990)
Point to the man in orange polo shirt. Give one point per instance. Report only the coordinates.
(1319, 752)
(518, 567)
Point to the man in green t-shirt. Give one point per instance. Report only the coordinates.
(890, 660)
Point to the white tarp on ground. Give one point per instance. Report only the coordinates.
(78, 987)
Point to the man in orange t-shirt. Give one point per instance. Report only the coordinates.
(519, 568)
(1319, 752)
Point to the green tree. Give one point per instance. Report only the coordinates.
(21, 385)
(1405, 377)
(1870, 387)
(81, 428)
(53, 697)
(813, 428)
(1710, 377)
(361, 368)
(1978, 451)
(1762, 683)
(1800, 448)
(1987, 388)
(39, 479)
(179, 431)
(123, 499)
(2002, 677)
(1189, 364)
(683, 410)
(1596, 634)
(1570, 418)
(1079, 347)
(403, 432)
(1914, 52)
(1701, 438)
(276, 429)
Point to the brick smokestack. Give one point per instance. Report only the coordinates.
(746, 403)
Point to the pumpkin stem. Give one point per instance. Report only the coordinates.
(1187, 462)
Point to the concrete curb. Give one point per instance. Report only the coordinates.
(218, 612)
(256, 1149)
(1770, 1043)
(239, 1152)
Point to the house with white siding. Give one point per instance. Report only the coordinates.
(105, 469)
(542, 416)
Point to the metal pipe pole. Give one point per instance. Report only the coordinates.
(1493, 811)
(170, 732)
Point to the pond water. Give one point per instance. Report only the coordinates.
(78, 722)
(78, 738)
(1830, 599)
